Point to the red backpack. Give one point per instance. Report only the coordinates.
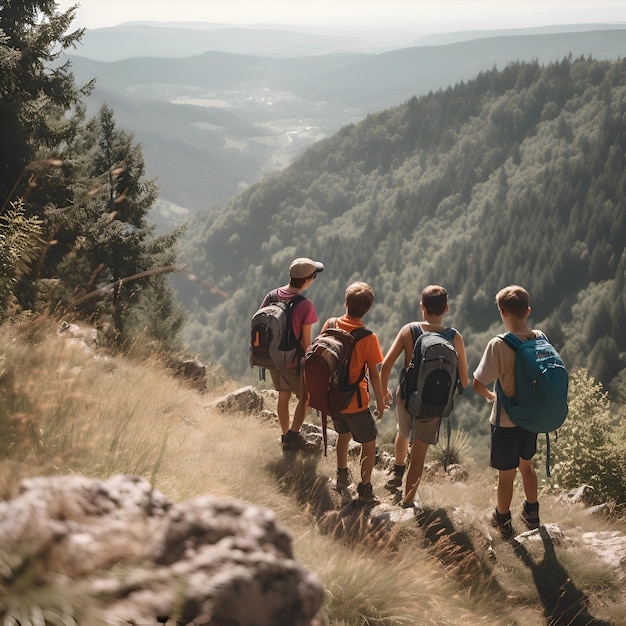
(327, 368)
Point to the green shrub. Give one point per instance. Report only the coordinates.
(586, 448)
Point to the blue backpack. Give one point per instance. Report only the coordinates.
(541, 387)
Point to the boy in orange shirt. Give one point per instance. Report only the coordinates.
(357, 422)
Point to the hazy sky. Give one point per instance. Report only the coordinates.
(420, 16)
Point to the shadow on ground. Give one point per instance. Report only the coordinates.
(384, 526)
(563, 603)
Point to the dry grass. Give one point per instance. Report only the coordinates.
(65, 408)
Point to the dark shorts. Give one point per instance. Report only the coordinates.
(361, 425)
(287, 380)
(508, 445)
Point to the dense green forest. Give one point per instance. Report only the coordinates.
(517, 176)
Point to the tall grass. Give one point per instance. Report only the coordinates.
(65, 408)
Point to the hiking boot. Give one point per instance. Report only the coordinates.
(395, 482)
(294, 441)
(343, 479)
(502, 522)
(530, 515)
(366, 494)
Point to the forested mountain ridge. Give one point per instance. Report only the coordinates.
(517, 176)
(212, 123)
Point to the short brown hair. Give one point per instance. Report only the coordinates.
(514, 300)
(435, 299)
(359, 299)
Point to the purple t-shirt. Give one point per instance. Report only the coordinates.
(303, 313)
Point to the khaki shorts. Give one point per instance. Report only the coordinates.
(426, 430)
(361, 425)
(287, 380)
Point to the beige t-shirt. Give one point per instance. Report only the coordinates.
(498, 363)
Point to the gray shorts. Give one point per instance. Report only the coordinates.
(361, 425)
(287, 380)
(426, 429)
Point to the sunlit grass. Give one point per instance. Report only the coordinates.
(67, 409)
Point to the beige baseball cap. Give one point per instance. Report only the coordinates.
(303, 267)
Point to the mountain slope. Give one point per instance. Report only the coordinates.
(243, 115)
(516, 176)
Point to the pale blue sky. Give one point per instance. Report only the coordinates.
(419, 16)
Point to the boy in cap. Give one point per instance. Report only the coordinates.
(302, 273)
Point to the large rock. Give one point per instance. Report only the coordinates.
(138, 558)
(243, 400)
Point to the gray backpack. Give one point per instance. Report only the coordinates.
(272, 342)
(432, 377)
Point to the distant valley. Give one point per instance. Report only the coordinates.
(213, 123)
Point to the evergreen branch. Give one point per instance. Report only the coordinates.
(147, 273)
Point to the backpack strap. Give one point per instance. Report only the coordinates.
(416, 331)
(360, 333)
(514, 342)
(511, 340)
(289, 336)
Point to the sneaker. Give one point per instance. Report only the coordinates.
(293, 442)
(503, 523)
(530, 515)
(343, 480)
(366, 494)
(395, 481)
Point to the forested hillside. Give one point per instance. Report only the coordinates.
(212, 123)
(515, 176)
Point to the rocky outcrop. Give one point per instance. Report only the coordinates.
(85, 337)
(244, 400)
(119, 552)
(191, 370)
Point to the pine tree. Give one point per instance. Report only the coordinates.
(115, 263)
(36, 91)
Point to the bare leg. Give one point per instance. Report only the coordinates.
(368, 454)
(401, 449)
(343, 443)
(300, 412)
(283, 410)
(529, 480)
(299, 415)
(416, 467)
(506, 478)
